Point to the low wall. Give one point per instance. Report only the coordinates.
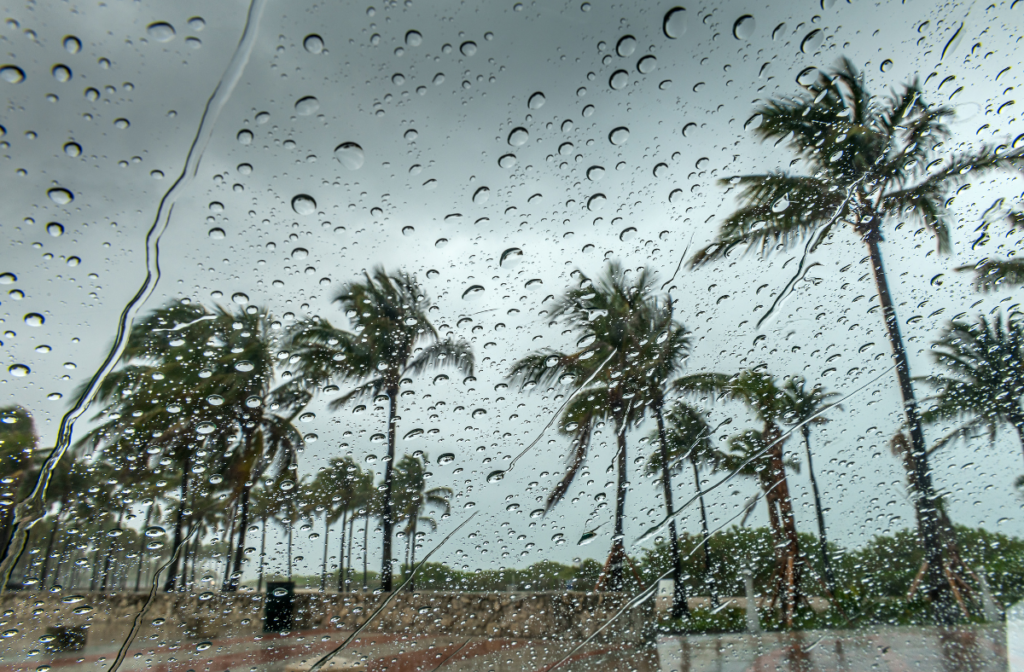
(571, 616)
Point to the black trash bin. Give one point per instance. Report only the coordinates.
(280, 606)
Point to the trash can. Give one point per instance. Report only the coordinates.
(280, 605)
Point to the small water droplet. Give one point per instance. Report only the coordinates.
(675, 196)
(60, 196)
(619, 136)
(203, 597)
(744, 27)
(253, 402)
(596, 202)
(61, 73)
(313, 43)
(244, 137)
(34, 320)
(8, 279)
(54, 229)
(155, 532)
(203, 646)
(595, 173)
(121, 123)
(411, 135)
(206, 427)
(627, 234)
(197, 23)
(215, 400)
(446, 458)
(398, 79)
(481, 195)
(674, 23)
(306, 106)
(812, 42)
(753, 122)
(468, 48)
(518, 137)
(626, 46)
(244, 366)
(537, 101)
(240, 298)
(408, 230)
(507, 161)
(72, 44)
(619, 80)
(72, 149)
(303, 204)
(473, 293)
(886, 64)
(217, 233)
(350, 155)
(161, 31)
(413, 38)
(12, 74)
(647, 64)
(511, 257)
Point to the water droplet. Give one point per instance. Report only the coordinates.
(473, 293)
(217, 233)
(596, 202)
(244, 137)
(12, 74)
(203, 597)
(72, 149)
(626, 46)
(753, 122)
(537, 101)
(34, 320)
(197, 23)
(807, 76)
(8, 279)
(313, 43)
(439, 243)
(411, 135)
(446, 458)
(780, 205)
(240, 298)
(262, 118)
(408, 230)
(675, 196)
(155, 532)
(72, 44)
(495, 476)
(350, 155)
(518, 137)
(481, 195)
(287, 485)
(203, 646)
(244, 366)
(886, 64)
(74, 261)
(674, 24)
(619, 135)
(279, 592)
(60, 196)
(507, 161)
(468, 48)
(122, 123)
(812, 42)
(647, 64)
(54, 229)
(205, 427)
(619, 80)
(215, 400)
(744, 27)
(413, 38)
(304, 107)
(595, 173)
(304, 204)
(160, 31)
(398, 79)
(253, 402)
(628, 234)
(61, 73)
(511, 257)
(587, 537)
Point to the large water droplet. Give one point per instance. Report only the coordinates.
(160, 31)
(753, 122)
(244, 366)
(313, 43)
(206, 427)
(619, 135)
(675, 196)
(446, 458)
(628, 234)
(507, 161)
(595, 173)
(411, 135)
(244, 137)
(34, 320)
(12, 74)
(518, 137)
(468, 48)
(744, 27)
(812, 42)
(304, 107)
(413, 38)
(647, 64)
(626, 46)
(155, 532)
(240, 298)
(619, 80)
(61, 73)
(304, 204)
(350, 155)
(511, 258)
(596, 202)
(72, 149)
(781, 205)
(60, 196)
(674, 24)
(537, 101)
(481, 195)
(54, 229)
(72, 44)
(496, 476)
(122, 123)
(473, 293)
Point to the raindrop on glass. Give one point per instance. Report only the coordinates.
(518, 137)
(626, 46)
(61, 73)
(12, 74)
(619, 135)
(647, 64)
(313, 43)
(72, 149)
(812, 42)
(744, 27)
(507, 161)
(481, 196)
(307, 106)
(60, 196)
(595, 173)
(350, 155)
(511, 257)
(244, 137)
(596, 202)
(54, 229)
(468, 48)
(674, 23)
(304, 204)
(413, 38)
(619, 80)
(473, 293)
(160, 31)
(72, 44)
(537, 101)
(34, 320)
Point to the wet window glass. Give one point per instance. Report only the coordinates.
(511, 336)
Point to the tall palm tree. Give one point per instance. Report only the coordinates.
(982, 375)
(412, 498)
(804, 407)
(870, 161)
(17, 444)
(337, 491)
(609, 317)
(687, 438)
(391, 339)
(993, 274)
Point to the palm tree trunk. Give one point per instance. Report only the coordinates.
(680, 607)
(705, 538)
(291, 515)
(616, 558)
(243, 523)
(366, 547)
(229, 537)
(142, 546)
(937, 589)
(412, 555)
(45, 571)
(110, 555)
(263, 553)
(386, 517)
(792, 561)
(341, 555)
(327, 536)
(826, 562)
(179, 521)
(348, 560)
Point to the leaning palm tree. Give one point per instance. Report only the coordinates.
(336, 492)
(982, 376)
(802, 408)
(609, 317)
(17, 443)
(389, 315)
(412, 498)
(870, 161)
(687, 438)
(994, 274)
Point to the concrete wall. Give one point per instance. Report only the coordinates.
(564, 615)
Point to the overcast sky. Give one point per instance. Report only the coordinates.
(434, 112)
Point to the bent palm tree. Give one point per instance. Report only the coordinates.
(803, 408)
(870, 161)
(389, 314)
(993, 274)
(17, 443)
(982, 378)
(412, 497)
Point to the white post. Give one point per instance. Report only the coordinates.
(1015, 637)
(753, 623)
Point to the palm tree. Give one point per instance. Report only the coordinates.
(17, 443)
(982, 375)
(336, 492)
(412, 498)
(389, 315)
(610, 318)
(804, 407)
(265, 503)
(871, 160)
(687, 438)
(994, 274)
